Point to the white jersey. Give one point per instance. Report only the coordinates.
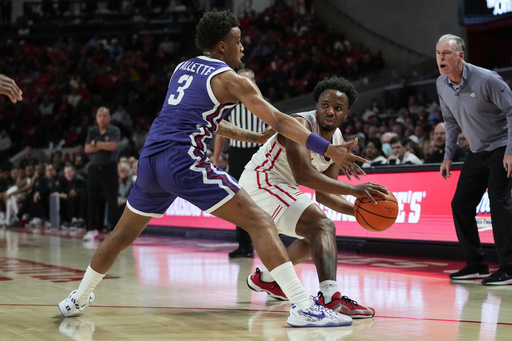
(271, 157)
(269, 181)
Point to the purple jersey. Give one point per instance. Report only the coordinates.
(173, 162)
(190, 113)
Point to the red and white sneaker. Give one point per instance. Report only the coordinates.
(346, 306)
(273, 289)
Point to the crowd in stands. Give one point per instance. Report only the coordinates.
(64, 83)
(26, 190)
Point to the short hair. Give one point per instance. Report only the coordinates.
(396, 139)
(461, 47)
(377, 143)
(336, 83)
(213, 27)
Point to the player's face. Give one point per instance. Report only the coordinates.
(233, 48)
(449, 59)
(331, 109)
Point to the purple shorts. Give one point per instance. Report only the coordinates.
(179, 171)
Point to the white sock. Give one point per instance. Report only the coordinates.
(89, 282)
(287, 279)
(266, 276)
(328, 288)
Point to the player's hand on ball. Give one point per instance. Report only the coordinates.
(370, 190)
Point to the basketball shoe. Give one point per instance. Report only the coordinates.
(273, 289)
(500, 277)
(316, 316)
(346, 306)
(471, 271)
(69, 307)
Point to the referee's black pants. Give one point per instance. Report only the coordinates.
(483, 171)
(102, 182)
(238, 158)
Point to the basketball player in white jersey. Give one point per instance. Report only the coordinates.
(272, 179)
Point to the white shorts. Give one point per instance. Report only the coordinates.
(284, 202)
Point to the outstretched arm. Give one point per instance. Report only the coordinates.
(229, 87)
(327, 186)
(234, 132)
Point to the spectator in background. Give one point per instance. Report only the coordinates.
(412, 144)
(463, 143)
(5, 145)
(400, 155)
(29, 158)
(115, 51)
(5, 182)
(374, 154)
(73, 198)
(16, 193)
(386, 146)
(437, 155)
(58, 161)
(134, 165)
(51, 183)
(103, 181)
(26, 210)
(125, 183)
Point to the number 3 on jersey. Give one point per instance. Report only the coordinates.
(173, 100)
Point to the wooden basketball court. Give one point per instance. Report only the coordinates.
(170, 288)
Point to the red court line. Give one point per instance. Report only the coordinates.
(263, 311)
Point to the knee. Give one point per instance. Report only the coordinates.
(323, 226)
(260, 222)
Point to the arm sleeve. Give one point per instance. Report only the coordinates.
(501, 95)
(452, 130)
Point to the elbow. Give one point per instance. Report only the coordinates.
(301, 180)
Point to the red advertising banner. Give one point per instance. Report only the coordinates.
(424, 200)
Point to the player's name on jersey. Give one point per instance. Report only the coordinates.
(198, 68)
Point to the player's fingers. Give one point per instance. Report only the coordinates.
(347, 174)
(372, 199)
(360, 159)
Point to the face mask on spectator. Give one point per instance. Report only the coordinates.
(386, 149)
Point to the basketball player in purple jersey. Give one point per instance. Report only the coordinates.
(173, 163)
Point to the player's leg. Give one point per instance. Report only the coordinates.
(243, 212)
(128, 228)
(132, 222)
(320, 232)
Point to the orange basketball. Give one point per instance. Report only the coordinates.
(378, 217)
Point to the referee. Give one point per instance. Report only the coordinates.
(239, 154)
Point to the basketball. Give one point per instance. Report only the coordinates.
(378, 217)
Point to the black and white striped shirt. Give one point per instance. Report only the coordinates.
(243, 118)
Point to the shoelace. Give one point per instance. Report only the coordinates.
(349, 302)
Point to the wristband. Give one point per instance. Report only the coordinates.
(317, 144)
